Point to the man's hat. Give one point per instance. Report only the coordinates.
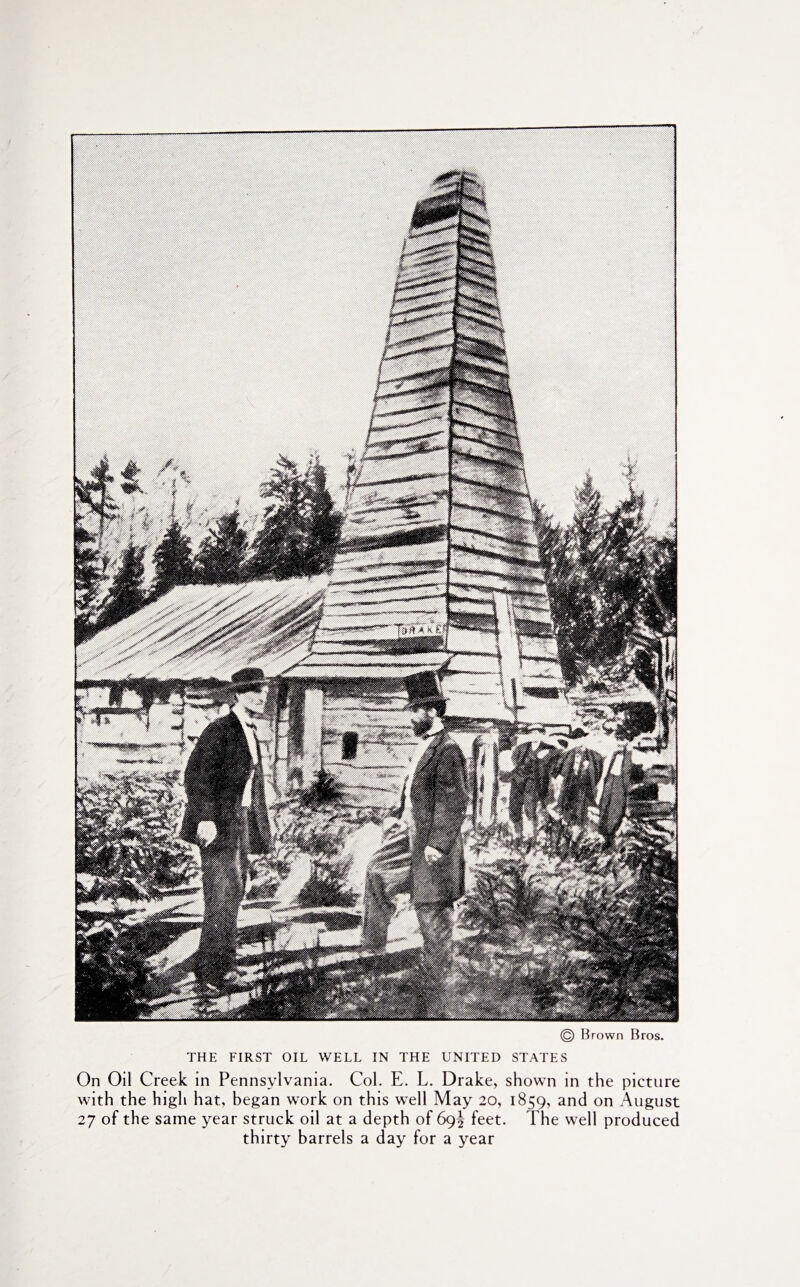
(248, 678)
(422, 688)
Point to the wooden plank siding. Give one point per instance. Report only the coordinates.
(439, 525)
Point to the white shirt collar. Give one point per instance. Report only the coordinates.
(248, 728)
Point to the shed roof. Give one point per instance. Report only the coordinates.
(206, 632)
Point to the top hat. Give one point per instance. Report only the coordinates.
(423, 688)
(247, 679)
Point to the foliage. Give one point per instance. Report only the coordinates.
(267, 871)
(324, 523)
(88, 566)
(623, 914)
(173, 560)
(99, 497)
(326, 888)
(130, 476)
(300, 526)
(503, 897)
(608, 575)
(126, 594)
(220, 559)
(130, 483)
(593, 934)
(110, 975)
(322, 831)
(126, 835)
(323, 789)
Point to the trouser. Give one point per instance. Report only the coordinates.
(388, 875)
(224, 878)
(523, 803)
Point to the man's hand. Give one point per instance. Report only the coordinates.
(206, 832)
(432, 856)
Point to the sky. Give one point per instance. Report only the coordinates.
(232, 295)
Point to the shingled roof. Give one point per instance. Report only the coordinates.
(203, 633)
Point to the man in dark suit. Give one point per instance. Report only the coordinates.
(423, 853)
(581, 769)
(226, 815)
(532, 756)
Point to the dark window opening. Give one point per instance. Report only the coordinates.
(283, 696)
(349, 746)
(115, 695)
(432, 210)
(541, 692)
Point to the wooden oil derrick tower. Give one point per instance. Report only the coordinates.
(438, 563)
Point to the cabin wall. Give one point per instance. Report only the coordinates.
(116, 732)
(365, 740)
(372, 770)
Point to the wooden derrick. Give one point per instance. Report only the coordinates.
(438, 563)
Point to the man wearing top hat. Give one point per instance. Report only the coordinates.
(226, 815)
(423, 855)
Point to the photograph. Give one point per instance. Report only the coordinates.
(375, 559)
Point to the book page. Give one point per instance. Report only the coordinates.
(351, 356)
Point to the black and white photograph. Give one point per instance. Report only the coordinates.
(375, 575)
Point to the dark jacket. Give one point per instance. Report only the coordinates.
(614, 796)
(439, 798)
(581, 769)
(215, 778)
(530, 777)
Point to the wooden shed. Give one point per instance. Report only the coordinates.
(147, 686)
(438, 563)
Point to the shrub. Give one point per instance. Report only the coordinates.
(623, 916)
(593, 934)
(109, 973)
(326, 888)
(126, 834)
(505, 896)
(324, 789)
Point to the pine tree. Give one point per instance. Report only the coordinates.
(607, 576)
(586, 589)
(557, 558)
(130, 485)
(126, 594)
(324, 523)
(173, 560)
(300, 525)
(98, 491)
(626, 580)
(663, 569)
(220, 559)
(88, 568)
(587, 522)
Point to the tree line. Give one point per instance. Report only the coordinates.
(611, 581)
(297, 536)
(611, 577)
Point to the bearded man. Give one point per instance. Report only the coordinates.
(423, 853)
